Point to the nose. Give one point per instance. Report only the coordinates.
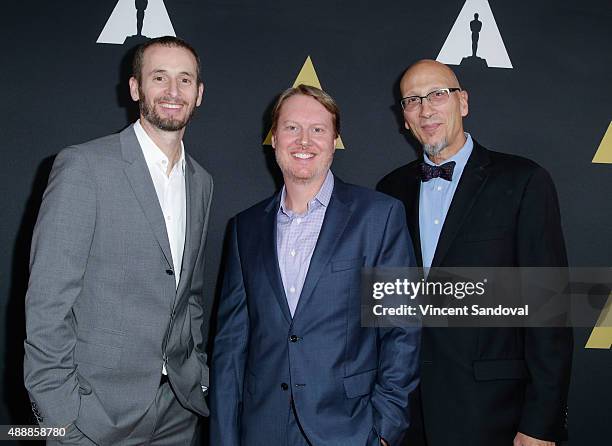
(173, 88)
(426, 109)
(304, 138)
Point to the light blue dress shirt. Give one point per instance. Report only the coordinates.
(296, 238)
(435, 198)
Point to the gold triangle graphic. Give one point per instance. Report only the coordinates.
(306, 76)
(604, 152)
(601, 336)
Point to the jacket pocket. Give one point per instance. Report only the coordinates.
(500, 369)
(343, 265)
(487, 234)
(359, 384)
(100, 347)
(100, 355)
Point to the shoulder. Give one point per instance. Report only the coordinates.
(364, 199)
(515, 167)
(88, 155)
(258, 210)
(95, 153)
(399, 176)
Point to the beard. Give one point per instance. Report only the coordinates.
(167, 124)
(433, 150)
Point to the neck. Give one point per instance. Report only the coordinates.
(298, 195)
(448, 151)
(168, 142)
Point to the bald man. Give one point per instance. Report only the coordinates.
(468, 206)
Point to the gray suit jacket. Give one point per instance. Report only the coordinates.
(102, 308)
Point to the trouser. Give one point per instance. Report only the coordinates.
(165, 423)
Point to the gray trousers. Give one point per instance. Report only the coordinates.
(165, 423)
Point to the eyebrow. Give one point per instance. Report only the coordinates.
(162, 71)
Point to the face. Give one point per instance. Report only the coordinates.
(304, 140)
(168, 92)
(439, 129)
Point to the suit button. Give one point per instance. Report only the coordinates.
(285, 386)
(293, 338)
(170, 272)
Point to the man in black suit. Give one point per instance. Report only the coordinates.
(471, 207)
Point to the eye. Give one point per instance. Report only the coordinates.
(158, 78)
(439, 93)
(318, 130)
(186, 81)
(411, 100)
(291, 127)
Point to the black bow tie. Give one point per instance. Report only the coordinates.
(445, 171)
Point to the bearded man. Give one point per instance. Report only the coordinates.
(115, 305)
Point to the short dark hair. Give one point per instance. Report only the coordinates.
(317, 94)
(169, 41)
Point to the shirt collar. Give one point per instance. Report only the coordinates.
(322, 197)
(152, 153)
(461, 157)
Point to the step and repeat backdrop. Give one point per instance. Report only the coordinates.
(538, 76)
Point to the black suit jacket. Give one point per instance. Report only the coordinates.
(480, 386)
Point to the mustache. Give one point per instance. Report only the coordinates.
(171, 99)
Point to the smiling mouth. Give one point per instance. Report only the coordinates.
(170, 106)
(430, 128)
(303, 155)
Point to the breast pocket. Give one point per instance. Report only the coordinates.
(346, 265)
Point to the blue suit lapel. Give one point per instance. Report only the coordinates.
(337, 216)
(270, 258)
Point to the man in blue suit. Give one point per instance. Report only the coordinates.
(292, 364)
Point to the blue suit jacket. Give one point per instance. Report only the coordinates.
(349, 384)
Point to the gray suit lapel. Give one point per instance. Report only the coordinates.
(194, 220)
(140, 180)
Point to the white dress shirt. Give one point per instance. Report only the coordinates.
(171, 194)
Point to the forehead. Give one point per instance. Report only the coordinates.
(304, 108)
(421, 79)
(169, 58)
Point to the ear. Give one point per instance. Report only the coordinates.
(134, 89)
(406, 125)
(273, 141)
(463, 103)
(200, 94)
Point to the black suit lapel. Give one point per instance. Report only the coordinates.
(269, 255)
(411, 199)
(470, 185)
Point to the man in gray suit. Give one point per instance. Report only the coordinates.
(115, 309)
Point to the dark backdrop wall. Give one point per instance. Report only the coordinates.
(554, 105)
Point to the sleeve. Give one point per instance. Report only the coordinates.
(399, 347)
(60, 248)
(548, 351)
(197, 307)
(230, 350)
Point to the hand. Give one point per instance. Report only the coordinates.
(525, 440)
